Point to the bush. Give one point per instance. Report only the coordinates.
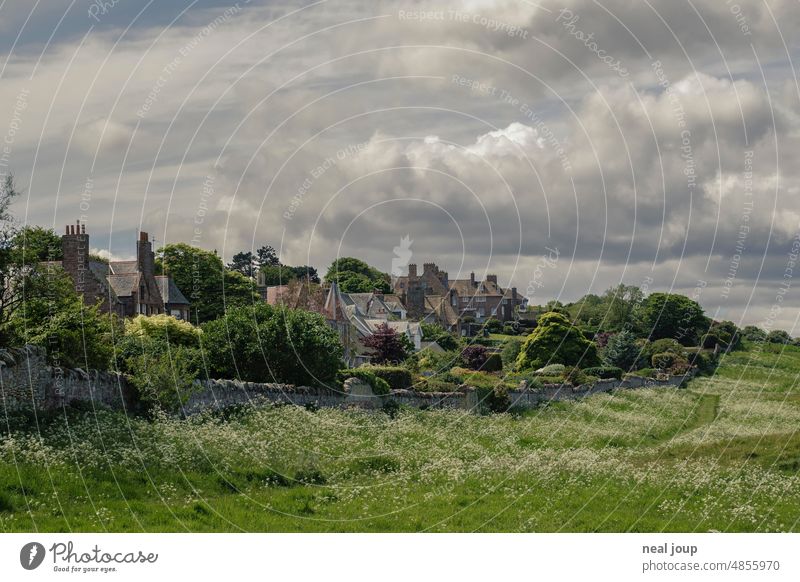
(621, 350)
(494, 325)
(661, 346)
(494, 363)
(398, 378)
(509, 330)
(164, 379)
(663, 360)
(551, 370)
(577, 377)
(605, 372)
(475, 356)
(163, 327)
(379, 386)
(494, 399)
(510, 352)
(556, 340)
(436, 385)
(261, 343)
(704, 361)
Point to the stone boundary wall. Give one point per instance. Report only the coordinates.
(27, 381)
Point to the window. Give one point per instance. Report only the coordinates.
(480, 299)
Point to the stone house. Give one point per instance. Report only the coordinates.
(433, 296)
(125, 288)
(356, 316)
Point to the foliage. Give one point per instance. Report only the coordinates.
(272, 344)
(475, 356)
(282, 274)
(667, 315)
(605, 372)
(11, 293)
(556, 340)
(664, 360)
(76, 336)
(379, 385)
(164, 378)
(494, 399)
(201, 276)
(431, 361)
(355, 276)
(778, 336)
(165, 328)
(435, 332)
(613, 311)
(578, 377)
(728, 335)
(552, 370)
(493, 363)
(34, 244)
(386, 344)
(665, 345)
(510, 352)
(494, 325)
(621, 350)
(754, 334)
(397, 377)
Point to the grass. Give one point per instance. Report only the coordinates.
(723, 454)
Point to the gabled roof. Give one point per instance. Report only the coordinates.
(124, 285)
(169, 291)
(124, 267)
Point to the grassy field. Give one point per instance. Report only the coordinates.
(723, 454)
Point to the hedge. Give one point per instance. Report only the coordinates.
(398, 378)
(379, 385)
(605, 372)
(494, 363)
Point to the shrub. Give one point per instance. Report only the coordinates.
(576, 376)
(261, 343)
(551, 370)
(164, 379)
(494, 399)
(436, 385)
(509, 330)
(754, 334)
(663, 360)
(431, 361)
(556, 340)
(621, 350)
(398, 378)
(605, 372)
(163, 327)
(494, 363)
(704, 361)
(494, 325)
(510, 351)
(710, 341)
(379, 385)
(661, 346)
(475, 356)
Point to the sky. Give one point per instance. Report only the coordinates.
(564, 146)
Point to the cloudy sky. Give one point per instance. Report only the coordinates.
(654, 142)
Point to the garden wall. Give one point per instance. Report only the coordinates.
(27, 381)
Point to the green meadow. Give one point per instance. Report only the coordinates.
(721, 454)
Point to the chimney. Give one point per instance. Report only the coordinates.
(412, 270)
(75, 246)
(429, 268)
(472, 279)
(492, 278)
(144, 255)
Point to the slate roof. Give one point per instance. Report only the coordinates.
(123, 267)
(124, 285)
(169, 291)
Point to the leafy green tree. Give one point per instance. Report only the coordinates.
(261, 343)
(510, 351)
(34, 244)
(433, 332)
(164, 328)
(266, 256)
(620, 303)
(621, 351)
(11, 293)
(164, 378)
(201, 276)
(754, 334)
(778, 336)
(556, 340)
(244, 263)
(667, 315)
(355, 276)
(282, 274)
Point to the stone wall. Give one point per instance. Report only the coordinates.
(27, 381)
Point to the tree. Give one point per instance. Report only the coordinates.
(621, 351)
(621, 302)
(11, 295)
(244, 263)
(433, 332)
(667, 315)
(356, 276)
(556, 340)
(386, 344)
(510, 352)
(754, 334)
(204, 280)
(34, 244)
(282, 274)
(261, 343)
(266, 256)
(778, 336)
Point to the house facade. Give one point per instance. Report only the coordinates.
(433, 296)
(124, 288)
(357, 316)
